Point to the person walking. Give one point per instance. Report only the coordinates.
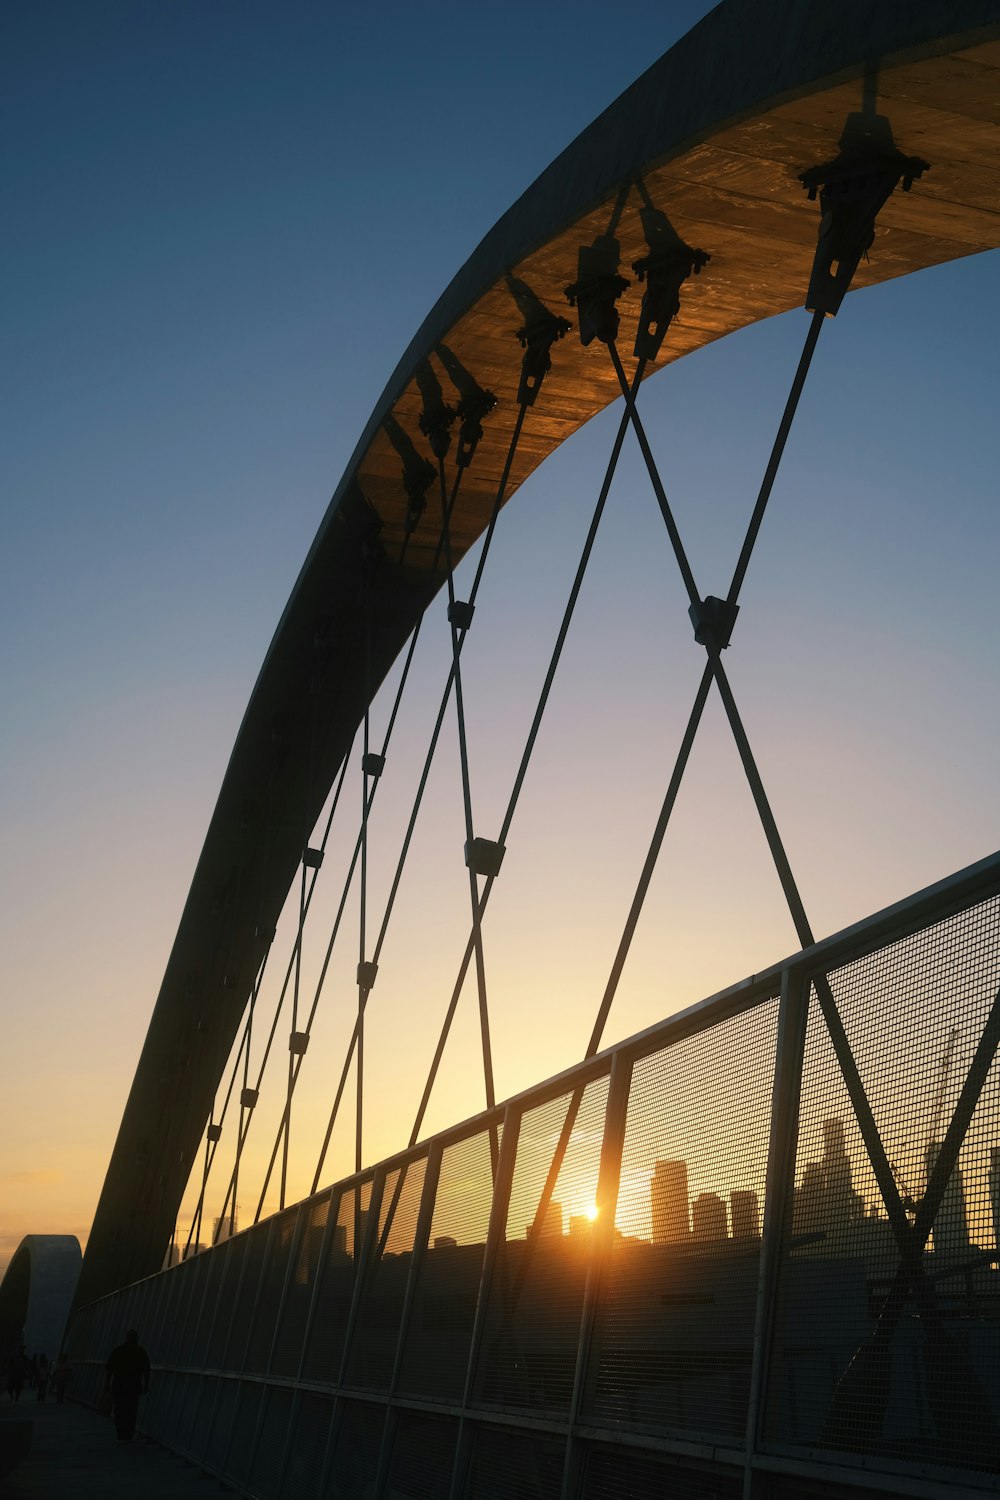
(43, 1371)
(60, 1377)
(17, 1369)
(127, 1378)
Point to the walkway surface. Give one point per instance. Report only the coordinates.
(75, 1456)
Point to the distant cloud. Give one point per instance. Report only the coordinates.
(43, 1177)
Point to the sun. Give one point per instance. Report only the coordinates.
(592, 1211)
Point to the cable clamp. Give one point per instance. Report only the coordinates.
(852, 190)
(664, 274)
(367, 970)
(460, 614)
(372, 764)
(713, 620)
(312, 859)
(298, 1042)
(596, 290)
(249, 1097)
(213, 1133)
(536, 339)
(484, 857)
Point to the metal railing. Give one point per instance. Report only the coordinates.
(765, 1259)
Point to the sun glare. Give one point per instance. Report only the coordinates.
(592, 1211)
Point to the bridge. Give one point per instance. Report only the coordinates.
(752, 1250)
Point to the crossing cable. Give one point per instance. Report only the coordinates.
(241, 1055)
(363, 893)
(245, 1127)
(463, 750)
(345, 892)
(425, 773)
(414, 637)
(713, 668)
(522, 770)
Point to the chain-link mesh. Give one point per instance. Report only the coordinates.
(675, 1328)
(532, 1330)
(423, 1455)
(614, 1474)
(871, 1357)
(336, 1287)
(300, 1289)
(505, 1463)
(356, 1450)
(884, 1346)
(373, 1349)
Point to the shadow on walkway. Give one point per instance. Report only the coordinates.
(75, 1456)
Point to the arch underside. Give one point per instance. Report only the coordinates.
(713, 137)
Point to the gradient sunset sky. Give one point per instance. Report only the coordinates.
(224, 221)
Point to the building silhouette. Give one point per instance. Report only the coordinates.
(668, 1197)
(708, 1218)
(744, 1214)
(951, 1227)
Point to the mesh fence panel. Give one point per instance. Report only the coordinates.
(215, 1262)
(674, 1331)
(356, 1451)
(221, 1425)
(271, 1441)
(617, 1474)
(423, 1454)
(301, 1286)
(246, 1296)
(373, 1349)
(271, 1288)
(437, 1349)
(528, 1356)
(304, 1469)
(336, 1287)
(201, 1423)
(249, 1405)
(869, 1360)
(235, 1254)
(506, 1464)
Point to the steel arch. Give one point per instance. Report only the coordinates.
(717, 131)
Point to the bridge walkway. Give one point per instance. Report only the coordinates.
(75, 1456)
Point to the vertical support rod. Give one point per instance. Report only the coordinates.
(291, 1055)
(779, 1185)
(495, 1235)
(602, 1238)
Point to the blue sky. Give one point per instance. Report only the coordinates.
(224, 222)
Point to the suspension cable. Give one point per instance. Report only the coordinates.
(428, 761)
(529, 745)
(463, 750)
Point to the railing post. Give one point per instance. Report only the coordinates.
(496, 1232)
(792, 1017)
(601, 1240)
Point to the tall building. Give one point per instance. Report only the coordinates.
(744, 1213)
(708, 1218)
(994, 1183)
(951, 1227)
(825, 1200)
(668, 1201)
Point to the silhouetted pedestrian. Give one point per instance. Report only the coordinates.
(60, 1377)
(17, 1369)
(42, 1372)
(127, 1379)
